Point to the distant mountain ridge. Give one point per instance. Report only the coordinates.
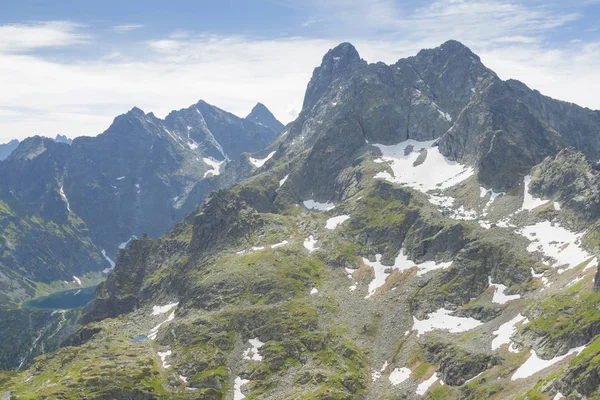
(141, 175)
(7, 148)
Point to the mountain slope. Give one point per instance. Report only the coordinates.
(370, 255)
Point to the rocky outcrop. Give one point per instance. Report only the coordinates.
(456, 365)
(572, 181)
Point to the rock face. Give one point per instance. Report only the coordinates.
(63, 139)
(340, 262)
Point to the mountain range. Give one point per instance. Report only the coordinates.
(422, 230)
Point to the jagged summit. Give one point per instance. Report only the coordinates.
(63, 139)
(261, 115)
(336, 62)
(344, 52)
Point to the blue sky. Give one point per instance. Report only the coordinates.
(70, 66)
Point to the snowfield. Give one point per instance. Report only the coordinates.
(441, 319)
(559, 243)
(435, 172)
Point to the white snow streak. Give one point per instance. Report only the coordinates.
(334, 222)
(282, 181)
(506, 330)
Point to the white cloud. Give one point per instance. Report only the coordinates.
(234, 72)
(230, 72)
(37, 35)
(126, 28)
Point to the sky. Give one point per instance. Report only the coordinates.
(70, 66)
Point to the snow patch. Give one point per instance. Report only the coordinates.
(435, 172)
(535, 364)
(154, 331)
(259, 162)
(556, 242)
(163, 357)
(441, 319)
(310, 244)
(121, 178)
(237, 388)
(506, 330)
(375, 375)
(424, 386)
(252, 353)
(530, 202)
(399, 375)
(499, 296)
(493, 196)
(334, 222)
(157, 310)
(214, 164)
(282, 181)
(315, 205)
(401, 263)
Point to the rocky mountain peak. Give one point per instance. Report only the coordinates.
(63, 139)
(336, 62)
(30, 148)
(261, 115)
(138, 112)
(343, 53)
